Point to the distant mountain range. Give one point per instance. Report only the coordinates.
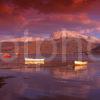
(54, 36)
(64, 42)
(73, 34)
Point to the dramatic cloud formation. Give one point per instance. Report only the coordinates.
(46, 16)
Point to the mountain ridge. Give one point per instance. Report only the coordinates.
(54, 36)
(74, 34)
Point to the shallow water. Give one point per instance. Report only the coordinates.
(50, 83)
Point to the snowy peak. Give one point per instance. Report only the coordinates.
(74, 34)
(65, 33)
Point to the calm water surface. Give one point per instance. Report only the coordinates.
(50, 83)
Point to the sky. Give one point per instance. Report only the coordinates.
(43, 17)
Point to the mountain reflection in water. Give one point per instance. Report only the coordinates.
(51, 83)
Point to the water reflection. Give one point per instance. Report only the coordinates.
(51, 83)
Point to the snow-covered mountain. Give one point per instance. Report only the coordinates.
(70, 47)
(56, 35)
(74, 34)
